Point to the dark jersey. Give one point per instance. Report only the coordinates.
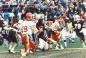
(78, 25)
(42, 35)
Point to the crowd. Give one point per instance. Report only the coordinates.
(42, 24)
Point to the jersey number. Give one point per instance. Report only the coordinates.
(25, 29)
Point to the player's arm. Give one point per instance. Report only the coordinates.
(34, 29)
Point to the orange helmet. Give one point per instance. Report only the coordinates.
(29, 16)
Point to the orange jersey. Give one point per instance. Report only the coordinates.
(56, 37)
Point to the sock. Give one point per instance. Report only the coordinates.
(56, 47)
(61, 47)
(14, 46)
(65, 43)
(10, 45)
(83, 44)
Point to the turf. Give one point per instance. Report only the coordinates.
(74, 50)
(66, 53)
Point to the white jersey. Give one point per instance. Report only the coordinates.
(27, 27)
(55, 26)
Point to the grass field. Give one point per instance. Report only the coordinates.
(66, 53)
(74, 50)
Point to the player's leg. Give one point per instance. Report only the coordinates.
(13, 47)
(27, 46)
(81, 36)
(60, 45)
(32, 46)
(64, 40)
(41, 43)
(82, 40)
(32, 43)
(64, 35)
(26, 51)
(65, 43)
(10, 46)
(46, 47)
(14, 41)
(73, 36)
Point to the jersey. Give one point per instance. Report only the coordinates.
(78, 26)
(27, 27)
(56, 37)
(55, 26)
